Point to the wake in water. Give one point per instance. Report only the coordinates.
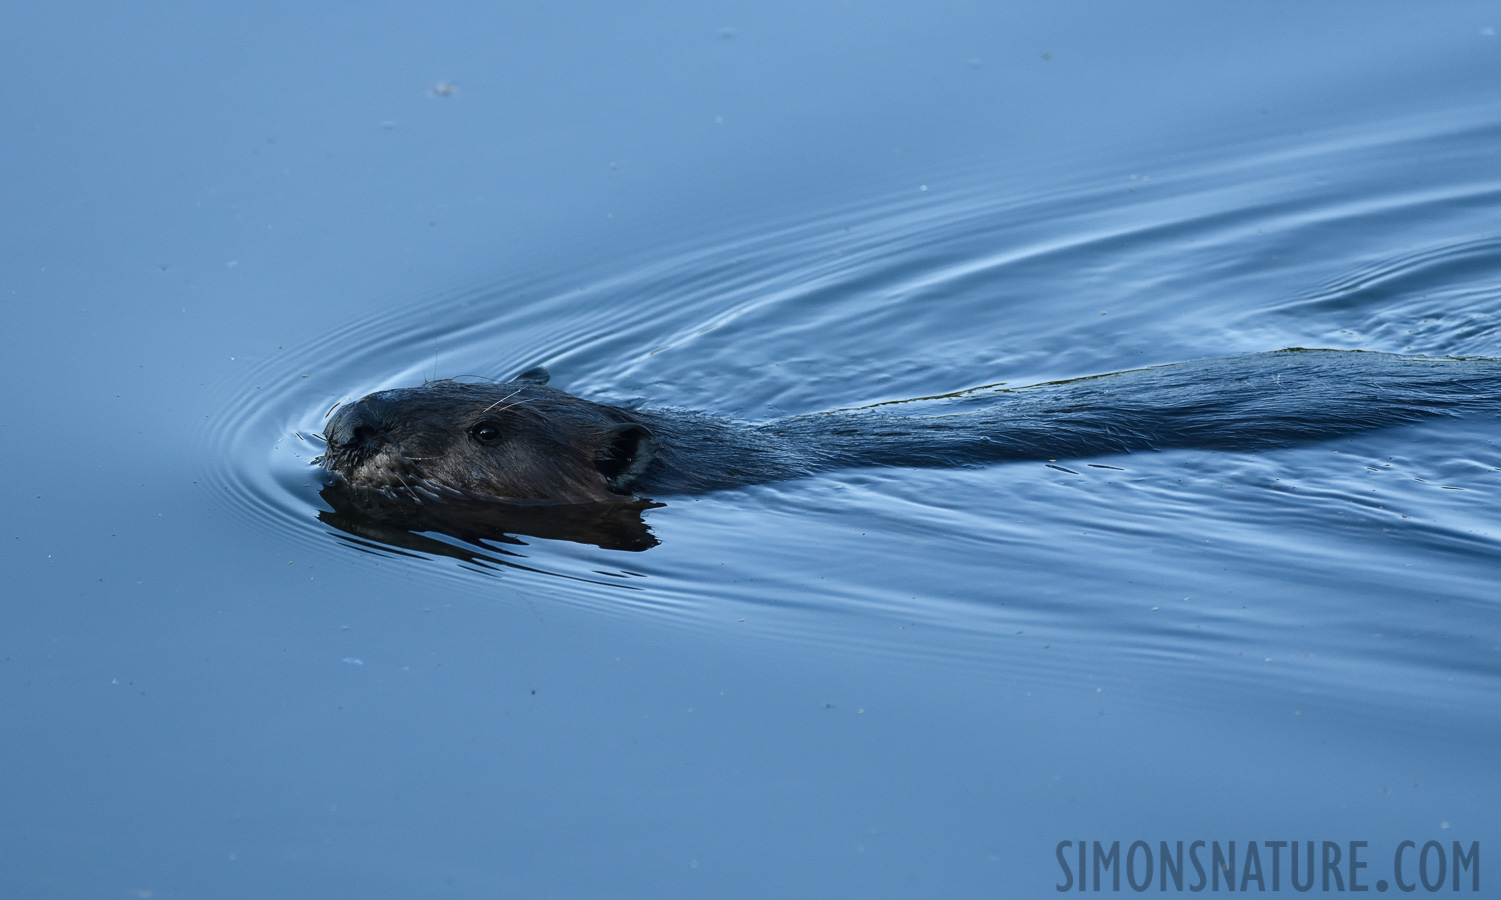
(1250, 402)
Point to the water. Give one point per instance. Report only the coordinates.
(878, 682)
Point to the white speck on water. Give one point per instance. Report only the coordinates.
(232, 263)
(1487, 31)
(352, 660)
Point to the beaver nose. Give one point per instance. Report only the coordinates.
(355, 425)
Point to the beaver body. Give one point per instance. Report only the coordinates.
(523, 442)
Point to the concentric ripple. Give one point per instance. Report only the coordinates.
(1190, 564)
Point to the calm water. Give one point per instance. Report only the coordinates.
(868, 683)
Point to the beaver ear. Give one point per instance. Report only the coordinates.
(535, 375)
(625, 454)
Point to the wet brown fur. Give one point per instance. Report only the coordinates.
(523, 442)
(429, 443)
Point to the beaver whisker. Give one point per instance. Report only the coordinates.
(502, 400)
(514, 405)
(397, 476)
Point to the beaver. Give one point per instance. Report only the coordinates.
(449, 455)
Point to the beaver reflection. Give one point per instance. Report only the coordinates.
(481, 461)
(612, 525)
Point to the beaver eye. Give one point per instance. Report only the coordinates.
(485, 432)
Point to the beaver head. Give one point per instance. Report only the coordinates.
(518, 441)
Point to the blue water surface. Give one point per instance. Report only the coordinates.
(870, 683)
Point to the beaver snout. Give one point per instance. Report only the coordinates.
(354, 426)
(358, 432)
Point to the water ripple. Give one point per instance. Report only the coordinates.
(1268, 570)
